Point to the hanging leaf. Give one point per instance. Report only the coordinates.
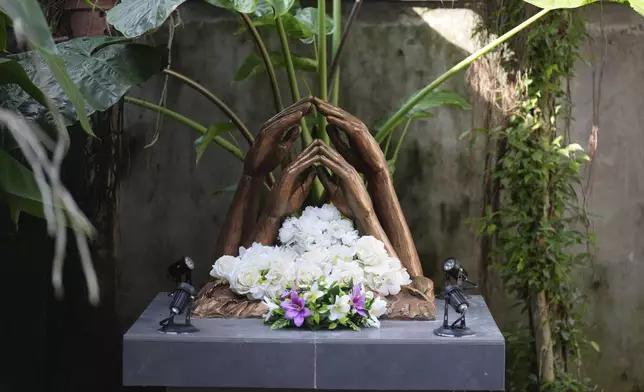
(637, 5)
(280, 7)
(103, 68)
(434, 99)
(3, 32)
(309, 18)
(253, 65)
(12, 73)
(243, 6)
(18, 188)
(16, 179)
(136, 17)
(213, 131)
(34, 28)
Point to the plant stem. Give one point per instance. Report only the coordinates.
(214, 99)
(188, 122)
(321, 131)
(400, 140)
(335, 46)
(393, 120)
(267, 61)
(546, 353)
(334, 73)
(290, 70)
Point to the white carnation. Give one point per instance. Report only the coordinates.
(223, 267)
(328, 213)
(370, 251)
(288, 231)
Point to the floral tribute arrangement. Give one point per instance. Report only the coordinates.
(323, 274)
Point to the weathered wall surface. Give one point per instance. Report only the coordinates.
(613, 280)
(167, 209)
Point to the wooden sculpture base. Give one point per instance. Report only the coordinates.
(414, 302)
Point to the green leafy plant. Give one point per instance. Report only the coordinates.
(534, 226)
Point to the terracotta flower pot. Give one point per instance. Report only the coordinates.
(86, 20)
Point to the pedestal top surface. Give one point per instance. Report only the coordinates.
(245, 353)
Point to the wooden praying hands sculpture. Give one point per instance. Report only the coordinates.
(375, 208)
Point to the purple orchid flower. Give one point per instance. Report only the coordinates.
(358, 300)
(290, 292)
(295, 309)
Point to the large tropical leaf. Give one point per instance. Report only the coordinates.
(638, 5)
(434, 99)
(33, 26)
(253, 65)
(243, 6)
(136, 17)
(103, 68)
(12, 73)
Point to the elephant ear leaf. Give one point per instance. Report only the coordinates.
(34, 28)
(12, 73)
(136, 17)
(103, 68)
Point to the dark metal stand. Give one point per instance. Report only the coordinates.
(169, 326)
(457, 329)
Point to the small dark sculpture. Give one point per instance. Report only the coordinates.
(375, 208)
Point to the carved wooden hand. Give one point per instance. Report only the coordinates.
(287, 196)
(363, 152)
(348, 193)
(271, 145)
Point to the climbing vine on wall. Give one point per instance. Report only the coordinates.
(533, 226)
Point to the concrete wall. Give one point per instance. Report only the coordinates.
(167, 209)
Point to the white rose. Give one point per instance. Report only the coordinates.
(345, 272)
(319, 256)
(370, 251)
(341, 252)
(307, 273)
(259, 291)
(244, 278)
(223, 267)
(378, 308)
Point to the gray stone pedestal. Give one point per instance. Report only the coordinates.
(244, 353)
